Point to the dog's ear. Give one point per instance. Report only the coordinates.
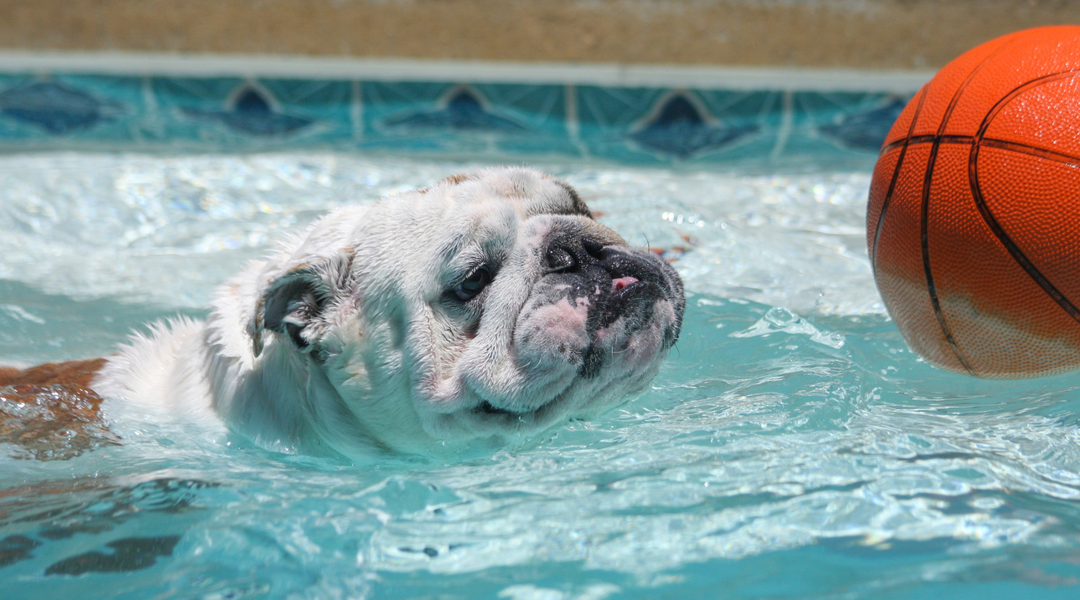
(295, 301)
(292, 302)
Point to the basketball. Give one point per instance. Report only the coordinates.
(973, 220)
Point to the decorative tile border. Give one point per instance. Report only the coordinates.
(640, 115)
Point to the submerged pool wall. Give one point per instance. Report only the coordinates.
(724, 81)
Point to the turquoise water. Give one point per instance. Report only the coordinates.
(791, 447)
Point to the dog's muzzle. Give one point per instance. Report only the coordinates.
(617, 282)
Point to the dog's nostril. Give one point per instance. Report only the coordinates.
(560, 259)
(593, 247)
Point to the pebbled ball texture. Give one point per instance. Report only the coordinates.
(973, 221)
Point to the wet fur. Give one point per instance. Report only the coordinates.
(354, 337)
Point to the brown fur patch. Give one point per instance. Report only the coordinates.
(7, 373)
(72, 372)
(456, 179)
(50, 412)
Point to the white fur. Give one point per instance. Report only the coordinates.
(383, 360)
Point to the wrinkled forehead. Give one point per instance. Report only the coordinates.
(471, 218)
(530, 192)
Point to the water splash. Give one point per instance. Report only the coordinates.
(780, 319)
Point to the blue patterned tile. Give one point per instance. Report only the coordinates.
(330, 105)
(655, 125)
(471, 119)
(463, 111)
(540, 108)
(606, 117)
(67, 120)
(173, 98)
(56, 108)
(680, 130)
(64, 109)
(493, 121)
(229, 112)
(839, 126)
(252, 114)
(865, 129)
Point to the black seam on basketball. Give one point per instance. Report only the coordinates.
(984, 210)
(924, 214)
(1058, 157)
(892, 184)
(924, 246)
(921, 140)
(889, 147)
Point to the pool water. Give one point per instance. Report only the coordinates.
(791, 447)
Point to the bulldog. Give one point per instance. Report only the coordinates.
(484, 309)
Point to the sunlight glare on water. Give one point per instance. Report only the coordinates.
(792, 446)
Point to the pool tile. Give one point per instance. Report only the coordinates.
(483, 118)
(55, 107)
(250, 114)
(865, 127)
(655, 125)
(65, 109)
(642, 125)
(680, 130)
(843, 124)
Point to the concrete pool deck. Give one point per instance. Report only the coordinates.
(832, 34)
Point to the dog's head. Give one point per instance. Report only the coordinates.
(489, 305)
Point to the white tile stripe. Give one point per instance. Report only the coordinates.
(332, 68)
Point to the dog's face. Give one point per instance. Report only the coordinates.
(486, 306)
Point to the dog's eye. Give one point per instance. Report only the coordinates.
(474, 283)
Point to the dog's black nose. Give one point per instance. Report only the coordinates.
(571, 254)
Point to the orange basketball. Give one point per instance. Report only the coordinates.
(973, 222)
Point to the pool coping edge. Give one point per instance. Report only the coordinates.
(394, 69)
